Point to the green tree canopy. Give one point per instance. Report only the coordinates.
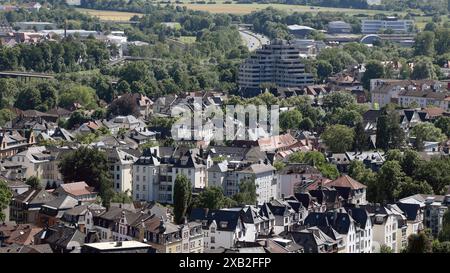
(89, 165)
(338, 138)
(182, 197)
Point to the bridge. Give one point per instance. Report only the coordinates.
(26, 75)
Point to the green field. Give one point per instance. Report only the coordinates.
(234, 8)
(187, 39)
(108, 15)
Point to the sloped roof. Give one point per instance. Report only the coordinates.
(346, 181)
(77, 188)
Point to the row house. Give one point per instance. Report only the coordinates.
(82, 216)
(25, 207)
(221, 228)
(313, 240)
(424, 99)
(167, 237)
(336, 221)
(13, 142)
(385, 226)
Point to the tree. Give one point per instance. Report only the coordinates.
(424, 43)
(428, 132)
(444, 234)
(76, 119)
(390, 177)
(328, 170)
(5, 116)
(389, 133)
(5, 198)
(28, 98)
(374, 70)
(124, 106)
(34, 182)
(247, 192)
(424, 69)
(306, 124)
(410, 162)
(443, 123)
(324, 69)
(279, 165)
(290, 119)
(420, 243)
(383, 132)
(441, 247)
(182, 194)
(89, 165)
(121, 197)
(338, 100)
(385, 249)
(338, 138)
(84, 95)
(360, 142)
(213, 198)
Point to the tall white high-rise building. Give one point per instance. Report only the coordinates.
(278, 63)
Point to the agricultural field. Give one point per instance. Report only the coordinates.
(234, 8)
(108, 15)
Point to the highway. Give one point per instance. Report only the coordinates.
(253, 40)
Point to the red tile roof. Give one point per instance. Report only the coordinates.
(77, 188)
(346, 181)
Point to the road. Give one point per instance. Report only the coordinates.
(253, 40)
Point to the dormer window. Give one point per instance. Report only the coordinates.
(223, 224)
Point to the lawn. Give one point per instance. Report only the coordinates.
(187, 39)
(108, 15)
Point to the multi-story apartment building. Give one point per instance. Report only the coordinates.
(121, 167)
(154, 174)
(375, 26)
(279, 63)
(385, 226)
(424, 98)
(229, 176)
(405, 92)
(432, 207)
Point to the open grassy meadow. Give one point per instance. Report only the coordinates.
(108, 15)
(234, 8)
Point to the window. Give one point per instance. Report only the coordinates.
(117, 176)
(137, 186)
(137, 177)
(112, 168)
(213, 240)
(117, 185)
(117, 168)
(143, 187)
(213, 229)
(143, 178)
